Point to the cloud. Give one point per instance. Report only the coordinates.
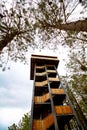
(16, 87)
(8, 116)
(15, 94)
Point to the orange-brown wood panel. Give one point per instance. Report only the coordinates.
(41, 83)
(37, 99)
(41, 99)
(43, 124)
(37, 125)
(57, 91)
(58, 110)
(48, 121)
(51, 71)
(40, 74)
(63, 110)
(40, 67)
(53, 79)
(67, 110)
(45, 97)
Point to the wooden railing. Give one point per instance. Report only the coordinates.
(45, 58)
(41, 99)
(40, 84)
(48, 121)
(40, 67)
(40, 74)
(43, 73)
(61, 110)
(57, 91)
(53, 79)
(51, 71)
(44, 123)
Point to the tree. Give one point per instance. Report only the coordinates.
(54, 25)
(23, 123)
(13, 127)
(77, 108)
(16, 30)
(46, 15)
(77, 75)
(49, 15)
(25, 21)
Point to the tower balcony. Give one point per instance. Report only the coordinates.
(39, 61)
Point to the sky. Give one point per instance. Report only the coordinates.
(16, 88)
(15, 94)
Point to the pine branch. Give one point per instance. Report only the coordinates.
(82, 67)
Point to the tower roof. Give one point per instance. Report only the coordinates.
(42, 60)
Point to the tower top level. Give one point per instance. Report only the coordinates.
(42, 60)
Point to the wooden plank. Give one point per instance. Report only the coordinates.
(45, 97)
(43, 124)
(40, 74)
(57, 91)
(40, 67)
(53, 79)
(41, 83)
(51, 71)
(37, 124)
(41, 99)
(58, 110)
(48, 121)
(63, 110)
(45, 58)
(67, 110)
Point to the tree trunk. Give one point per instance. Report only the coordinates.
(7, 39)
(80, 25)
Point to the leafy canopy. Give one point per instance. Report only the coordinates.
(36, 24)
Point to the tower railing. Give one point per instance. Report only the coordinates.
(52, 104)
(32, 106)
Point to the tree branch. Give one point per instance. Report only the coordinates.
(83, 67)
(80, 25)
(78, 38)
(8, 38)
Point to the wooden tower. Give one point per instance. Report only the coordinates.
(51, 108)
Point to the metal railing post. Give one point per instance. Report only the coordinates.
(52, 104)
(32, 106)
